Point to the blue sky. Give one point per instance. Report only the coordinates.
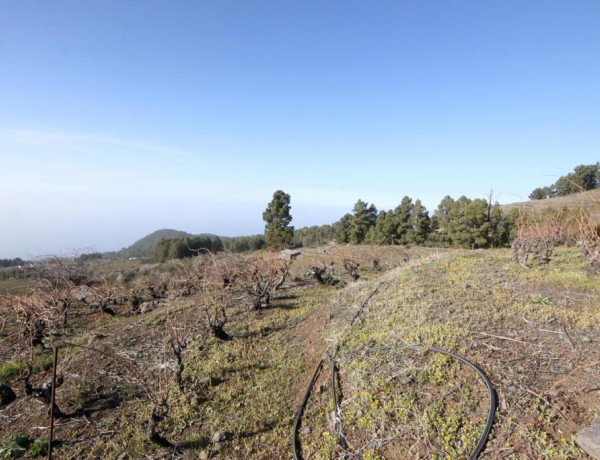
(121, 117)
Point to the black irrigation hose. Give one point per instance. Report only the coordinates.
(295, 449)
(491, 394)
(364, 304)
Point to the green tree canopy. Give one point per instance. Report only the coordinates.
(583, 177)
(420, 223)
(189, 246)
(244, 243)
(402, 217)
(541, 193)
(442, 219)
(363, 219)
(315, 235)
(278, 231)
(342, 229)
(11, 262)
(385, 229)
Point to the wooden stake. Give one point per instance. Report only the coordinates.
(52, 395)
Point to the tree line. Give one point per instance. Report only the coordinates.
(244, 243)
(12, 262)
(465, 222)
(583, 178)
(462, 222)
(180, 248)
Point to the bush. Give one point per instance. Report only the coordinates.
(9, 369)
(38, 448)
(17, 445)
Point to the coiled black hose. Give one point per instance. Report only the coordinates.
(493, 401)
(491, 394)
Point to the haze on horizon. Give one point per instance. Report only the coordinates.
(118, 118)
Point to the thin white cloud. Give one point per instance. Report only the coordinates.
(57, 138)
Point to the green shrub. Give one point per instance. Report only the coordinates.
(42, 362)
(9, 369)
(14, 446)
(38, 448)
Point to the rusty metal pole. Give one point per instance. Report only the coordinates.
(52, 395)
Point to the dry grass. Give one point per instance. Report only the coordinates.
(529, 329)
(587, 200)
(534, 331)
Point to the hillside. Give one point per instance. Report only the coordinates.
(588, 200)
(534, 331)
(144, 247)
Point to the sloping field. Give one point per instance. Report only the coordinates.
(534, 332)
(588, 200)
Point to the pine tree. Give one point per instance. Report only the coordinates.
(278, 231)
(458, 225)
(384, 230)
(363, 219)
(500, 227)
(420, 223)
(342, 229)
(469, 225)
(443, 215)
(402, 213)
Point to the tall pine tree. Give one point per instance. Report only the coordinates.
(363, 219)
(278, 231)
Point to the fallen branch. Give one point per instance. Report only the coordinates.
(552, 332)
(546, 401)
(569, 338)
(578, 368)
(503, 338)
